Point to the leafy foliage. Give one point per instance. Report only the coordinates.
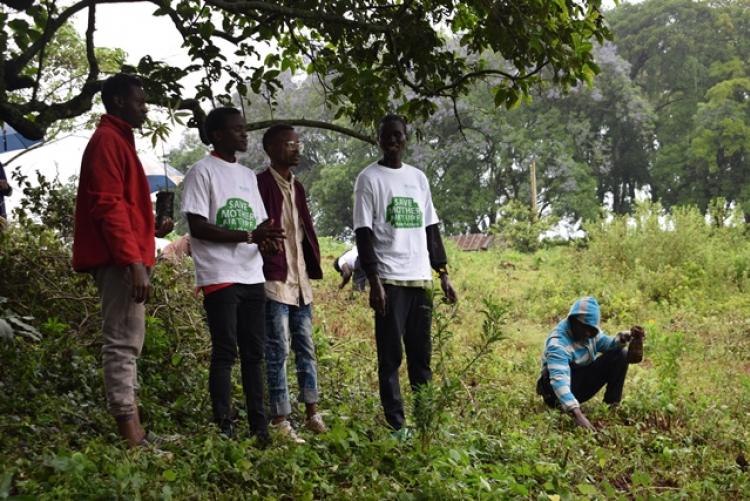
(682, 428)
(47, 201)
(685, 55)
(521, 229)
(372, 57)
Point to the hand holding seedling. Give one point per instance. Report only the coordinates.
(636, 333)
(166, 226)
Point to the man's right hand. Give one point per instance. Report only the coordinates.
(377, 295)
(346, 275)
(4, 185)
(141, 282)
(582, 420)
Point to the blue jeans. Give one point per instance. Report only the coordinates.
(289, 325)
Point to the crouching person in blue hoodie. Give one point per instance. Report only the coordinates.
(579, 359)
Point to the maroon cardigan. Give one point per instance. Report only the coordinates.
(274, 267)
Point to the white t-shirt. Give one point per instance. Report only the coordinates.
(349, 257)
(396, 204)
(226, 194)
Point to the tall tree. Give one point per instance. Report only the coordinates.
(372, 55)
(674, 47)
(719, 151)
(619, 143)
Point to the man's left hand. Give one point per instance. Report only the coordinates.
(166, 226)
(450, 293)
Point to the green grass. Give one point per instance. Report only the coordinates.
(679, 433)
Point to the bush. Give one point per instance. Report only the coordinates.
(521, 229)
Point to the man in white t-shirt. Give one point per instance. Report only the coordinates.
(228, 223)
(398, 239)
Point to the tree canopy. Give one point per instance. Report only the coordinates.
(370, 55)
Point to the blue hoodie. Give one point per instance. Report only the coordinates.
(561, 351)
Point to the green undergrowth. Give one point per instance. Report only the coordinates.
(680, 433)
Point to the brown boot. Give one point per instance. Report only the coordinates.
(635, 347)
(129, 428)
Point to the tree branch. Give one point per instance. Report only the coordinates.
(302, 122)
(90, 49)
(484, 73)
(247, 6)
(14, 66)
(18, 4)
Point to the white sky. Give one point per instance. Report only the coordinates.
(133, 28)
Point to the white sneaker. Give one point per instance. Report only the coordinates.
(315, 424)
(285, 430)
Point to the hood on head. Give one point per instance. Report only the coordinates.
(587, 311)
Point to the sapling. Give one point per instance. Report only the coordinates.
(431, 400)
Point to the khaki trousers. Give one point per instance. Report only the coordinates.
(124, 328)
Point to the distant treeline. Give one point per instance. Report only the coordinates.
(668, 117)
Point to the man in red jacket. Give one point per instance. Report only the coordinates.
(288, 287)
(114, 241)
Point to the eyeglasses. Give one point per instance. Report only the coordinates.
(294, 145)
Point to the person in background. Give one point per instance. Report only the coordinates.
(347, 265)
(177, 250)
(579, 359)
(228, 224)
(114, 241)
(288, 284)
(398, 240)
(5, 191)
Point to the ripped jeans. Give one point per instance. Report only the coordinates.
(289, 326)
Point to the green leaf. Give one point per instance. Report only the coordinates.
(587, 489)
(169, 475)
(641, 478)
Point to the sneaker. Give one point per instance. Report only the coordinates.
(285, 430)
(226, 428)
(403, 435)
(315, 424)
(262, 440)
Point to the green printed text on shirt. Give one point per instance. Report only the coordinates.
(236, 215)
(403, 212)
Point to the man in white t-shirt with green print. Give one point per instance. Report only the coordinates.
(399, 244)
(228, 223)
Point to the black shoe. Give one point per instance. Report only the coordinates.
(262, 440)
(226, 428)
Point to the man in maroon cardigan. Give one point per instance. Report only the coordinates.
(114, 241)
(288, 287)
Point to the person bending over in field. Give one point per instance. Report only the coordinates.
(398, 239)
(347, 265)
(228, 229)
(579, 359)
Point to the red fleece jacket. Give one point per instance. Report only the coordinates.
(114, 219)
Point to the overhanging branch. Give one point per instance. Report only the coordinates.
(316, 124)
(248, 6)
(14, 66)
(18, 4)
